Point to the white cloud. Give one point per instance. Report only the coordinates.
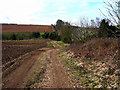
(19, 11)
(45, 11)
(58, 12)
(61, 10)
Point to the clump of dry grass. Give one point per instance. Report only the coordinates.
(101, 58)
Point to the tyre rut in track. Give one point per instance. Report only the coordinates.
(55, 75)
(16, 78)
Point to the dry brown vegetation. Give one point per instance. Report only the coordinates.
(95, 63)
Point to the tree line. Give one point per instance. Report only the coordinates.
(69, 33)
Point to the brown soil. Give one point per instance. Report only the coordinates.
(15, 78)
(14, 49)
(55, 75)
(6, 28)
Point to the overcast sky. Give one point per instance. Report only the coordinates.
(46, 12)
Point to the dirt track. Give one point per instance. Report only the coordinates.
(14, 79)
(55, 75)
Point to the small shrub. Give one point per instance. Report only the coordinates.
(66, 40)
(45, 35)
(58, 38)
(13, 37)
(36, 34)
(103, 29)
(52, 36)
(5, 36)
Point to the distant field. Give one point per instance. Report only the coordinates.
(26, 28)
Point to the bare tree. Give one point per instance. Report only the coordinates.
(84, 22)
(113, 11)
(84, 29)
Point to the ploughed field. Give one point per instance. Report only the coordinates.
(14, 49)
(26, 28)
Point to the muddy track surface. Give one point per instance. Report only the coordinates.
(15, 78)
(55, 75)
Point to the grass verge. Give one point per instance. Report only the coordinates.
(36, 74)
(87, 73)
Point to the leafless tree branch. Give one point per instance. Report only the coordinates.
(112, 11)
